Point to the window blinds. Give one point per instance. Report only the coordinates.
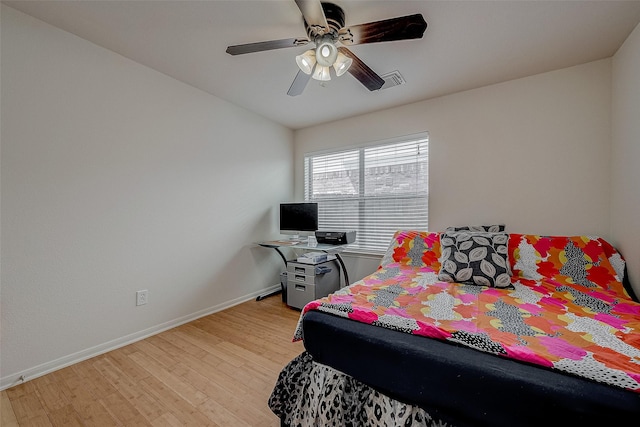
(375, 190)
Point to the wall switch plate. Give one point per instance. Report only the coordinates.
(141, 297)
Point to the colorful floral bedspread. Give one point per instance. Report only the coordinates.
(566, 308)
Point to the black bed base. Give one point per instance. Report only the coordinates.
(461, 385)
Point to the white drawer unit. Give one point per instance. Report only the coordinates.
(305, 285)
(300, 269)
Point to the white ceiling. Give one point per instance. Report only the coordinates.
(467, 44)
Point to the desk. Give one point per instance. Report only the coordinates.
(320, 247)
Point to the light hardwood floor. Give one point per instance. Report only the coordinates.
(215, 371)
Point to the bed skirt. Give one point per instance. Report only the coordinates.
(310, 394)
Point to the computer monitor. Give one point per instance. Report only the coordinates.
(298, 218)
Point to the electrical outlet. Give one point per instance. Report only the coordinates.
(141, 297)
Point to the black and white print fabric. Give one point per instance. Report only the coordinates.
(475, 258)
(308, 394)
(494, 228)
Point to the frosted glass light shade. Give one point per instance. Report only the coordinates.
(306, 61)
(321, 73)
(326, 54)
(342, 64)
(318, 61)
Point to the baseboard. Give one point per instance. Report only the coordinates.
(45, 368)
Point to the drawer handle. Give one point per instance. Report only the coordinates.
(299, 270)
(300, 278)
(299, 288)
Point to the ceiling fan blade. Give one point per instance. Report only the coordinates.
(240, 49)
(362, 72)
(313, 15)
(299, 83)
(401, 28)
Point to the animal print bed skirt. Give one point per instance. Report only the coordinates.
(310, 394)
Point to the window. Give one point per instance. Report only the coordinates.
(374, 190)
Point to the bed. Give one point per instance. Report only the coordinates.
(472, 328)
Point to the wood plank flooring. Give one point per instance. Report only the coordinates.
(215, 371)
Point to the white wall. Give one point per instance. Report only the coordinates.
(533, 153)
(117, 178)
(625, 163)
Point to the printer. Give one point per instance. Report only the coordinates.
(336, 237)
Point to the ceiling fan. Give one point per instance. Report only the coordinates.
(325, 27)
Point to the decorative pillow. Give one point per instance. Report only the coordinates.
(567, 260)
(414, 248)
(475, 258)
(481, 228)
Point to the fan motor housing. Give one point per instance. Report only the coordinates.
(335, 19)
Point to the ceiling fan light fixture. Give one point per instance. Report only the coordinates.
(342, 64)
(324, 23)
(306, 61)
(321, 73)
(326, 53)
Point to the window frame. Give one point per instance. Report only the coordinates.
(360, 197)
